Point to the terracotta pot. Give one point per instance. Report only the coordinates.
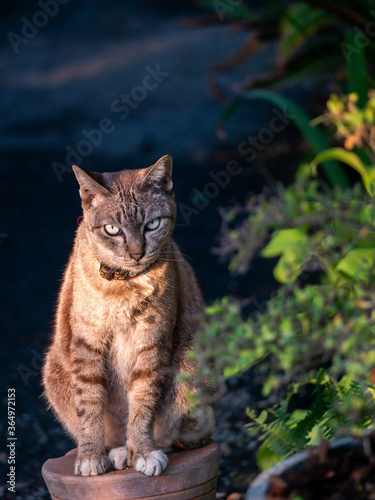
(191, 474)
(259, 488)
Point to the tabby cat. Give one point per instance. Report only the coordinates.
(128, 310)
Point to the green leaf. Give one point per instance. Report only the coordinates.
(302, 22)
(294, 113)
(288, 267)
(358, 263)
(294, 248)
(357, 73)
(283, 240)
(266, 458)
(351, 159)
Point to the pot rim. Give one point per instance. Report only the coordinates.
(258, 489)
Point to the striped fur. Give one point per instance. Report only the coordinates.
(109, 374)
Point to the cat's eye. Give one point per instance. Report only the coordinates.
(152, 224)
(112, 230)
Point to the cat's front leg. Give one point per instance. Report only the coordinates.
(144, 393)
(89, 384)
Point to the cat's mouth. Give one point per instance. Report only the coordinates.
(139, 266)
(148, 259)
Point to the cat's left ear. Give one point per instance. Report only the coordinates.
(159, 175)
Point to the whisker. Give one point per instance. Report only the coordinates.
(170, 260)
(183, 254)
(173, 251)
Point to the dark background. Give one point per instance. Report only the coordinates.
(63, 81)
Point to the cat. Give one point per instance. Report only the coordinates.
(128, 311)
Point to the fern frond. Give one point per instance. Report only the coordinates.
(276, 435)
(314, 416)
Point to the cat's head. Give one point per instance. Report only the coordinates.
(129, 215)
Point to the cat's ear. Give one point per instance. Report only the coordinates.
(159, 175)
(91, 190)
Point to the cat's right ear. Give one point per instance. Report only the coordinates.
(92, 192)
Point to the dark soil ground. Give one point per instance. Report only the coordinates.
(64, 80)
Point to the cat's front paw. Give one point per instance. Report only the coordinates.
(118, 457)
(91, 465)
(151, 464)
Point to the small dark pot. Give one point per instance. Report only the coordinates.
(259, 488)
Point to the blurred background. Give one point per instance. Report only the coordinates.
(114, 85)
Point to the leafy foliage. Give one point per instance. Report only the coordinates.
(312, 38)
(314, 136)
(312, 333)
(354, 124)
(312, 227)
(335, 405)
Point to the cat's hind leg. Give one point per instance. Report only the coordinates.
(194, 431)
(177, 425)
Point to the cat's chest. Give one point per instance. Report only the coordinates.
(131, 330)
(127, 338)
(119, 311)
(123, 354)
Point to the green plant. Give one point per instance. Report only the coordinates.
(354, 124)
(311, 334)
(314, 39)
(301, 331)
(311, 37)
(356, 127)
(337, 405)
(314, 136)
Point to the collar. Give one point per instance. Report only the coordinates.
(116, 274)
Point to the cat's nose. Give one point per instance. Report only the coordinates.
(136, 256)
